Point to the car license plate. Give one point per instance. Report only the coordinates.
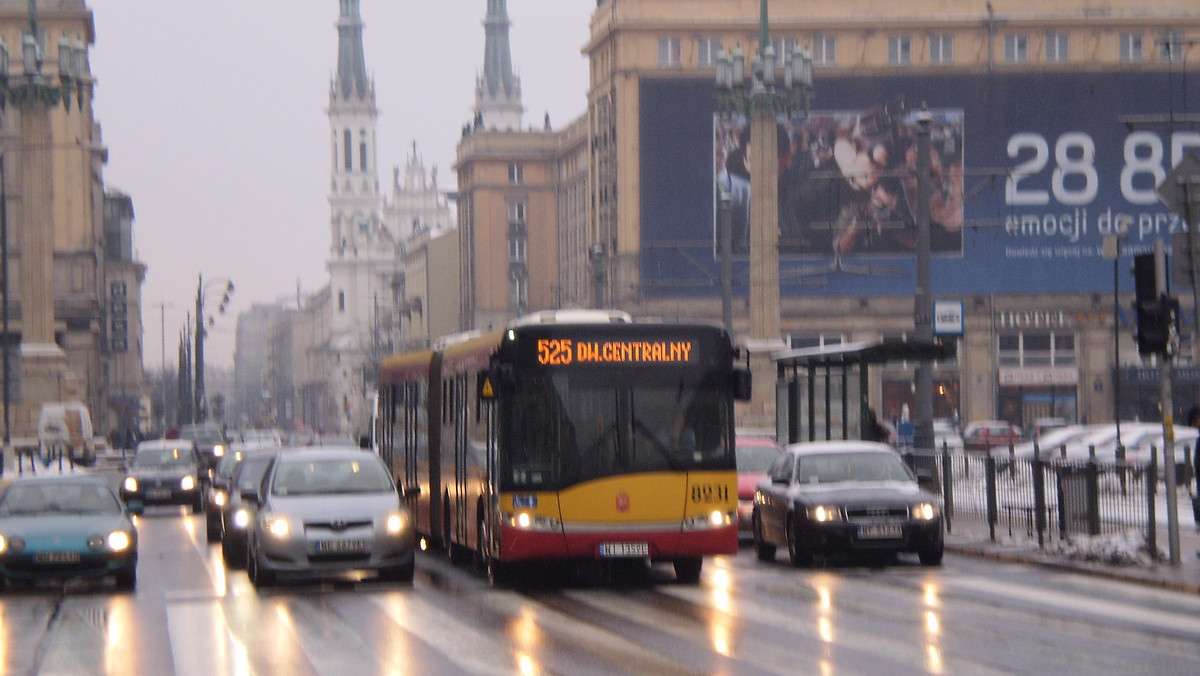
(56, 557)
(624, 549)
(880, 531)
(158, 493)
(340, 546)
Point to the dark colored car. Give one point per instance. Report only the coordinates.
(164, 472)
(755, 454)
(210, 441)
(237, 513)
(218, 493)
(66, 526)
(329, 511)
(845, 497)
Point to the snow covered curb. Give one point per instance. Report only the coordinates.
(1121, 549)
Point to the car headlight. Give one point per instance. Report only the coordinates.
(3, 544)
(218, 498)
(276, 525)
(527, 521)
(218, 451)
(713, 519)
(119, 541)
(188, 482)
(131, 484)
(924, 511)
(396, 523)
(824, 513)
(241, 518)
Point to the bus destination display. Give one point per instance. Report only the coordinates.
(566, 351)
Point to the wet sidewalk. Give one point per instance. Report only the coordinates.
(1114, 557)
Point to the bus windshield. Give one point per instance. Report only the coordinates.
(571, 425)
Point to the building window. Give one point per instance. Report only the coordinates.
(362, 149)
(817, 340)
(941, 49)
(670, 52)
(516, 174)
(1058, 47)
(341, 301)
(1016, 48)
(899, 50)
(824, 50)
(706, 51)
(348, 150)
(1170, 47)
(516, 250)
(518, 291)
(1036, 349)
(783, 48)
(516, 212)
(1131, 48)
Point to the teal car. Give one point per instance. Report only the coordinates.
(66, 526)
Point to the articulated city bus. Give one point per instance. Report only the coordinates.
(572, 436)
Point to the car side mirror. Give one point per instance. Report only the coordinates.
(928, 481)
(412, 491)
(249, 495)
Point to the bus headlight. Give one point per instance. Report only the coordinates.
(713, 519)
(532, 522)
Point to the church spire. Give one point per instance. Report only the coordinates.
(498, 90)
(352, 63)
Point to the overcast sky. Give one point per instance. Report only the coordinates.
(214, 115)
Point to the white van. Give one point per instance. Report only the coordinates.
(67, 427)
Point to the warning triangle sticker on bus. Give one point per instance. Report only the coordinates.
(485, 390)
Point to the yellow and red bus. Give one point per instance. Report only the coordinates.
(569, 436)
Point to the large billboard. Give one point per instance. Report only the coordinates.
(1029, 172)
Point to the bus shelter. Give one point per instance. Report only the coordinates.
(821, 392)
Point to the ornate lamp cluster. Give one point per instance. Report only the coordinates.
(785, 91)
(31, 86)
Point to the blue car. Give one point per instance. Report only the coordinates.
(66, 526)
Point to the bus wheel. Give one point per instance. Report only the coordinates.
(687, 571)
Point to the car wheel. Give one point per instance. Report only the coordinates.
(799, 556)
(127, 579)
(260, 577)
(197, 506)
(687, 571)
(763, 550)
(233, 554)
(932, 556)
(212, 531)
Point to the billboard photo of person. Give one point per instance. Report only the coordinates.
(848, 181)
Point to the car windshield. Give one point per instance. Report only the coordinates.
(842, 467)
(50, 498)
(202, 435)
(227, 464)
(755, 457)
(250, 471)
(163, 457)
(342, 475)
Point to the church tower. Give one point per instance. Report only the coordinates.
(498, 91)
(362, 255)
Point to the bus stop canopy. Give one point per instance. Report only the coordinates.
(824, 405)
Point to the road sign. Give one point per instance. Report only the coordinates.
(1181, 187)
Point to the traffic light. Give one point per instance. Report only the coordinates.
(1155, 310)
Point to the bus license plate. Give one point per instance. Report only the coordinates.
(624, 549)
(881, 531)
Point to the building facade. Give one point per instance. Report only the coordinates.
(74, 297)
(1052, 126)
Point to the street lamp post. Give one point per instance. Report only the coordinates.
(199, 411)
(923, 301)
(763, 97)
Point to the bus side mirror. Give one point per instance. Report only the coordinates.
(741, 384)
